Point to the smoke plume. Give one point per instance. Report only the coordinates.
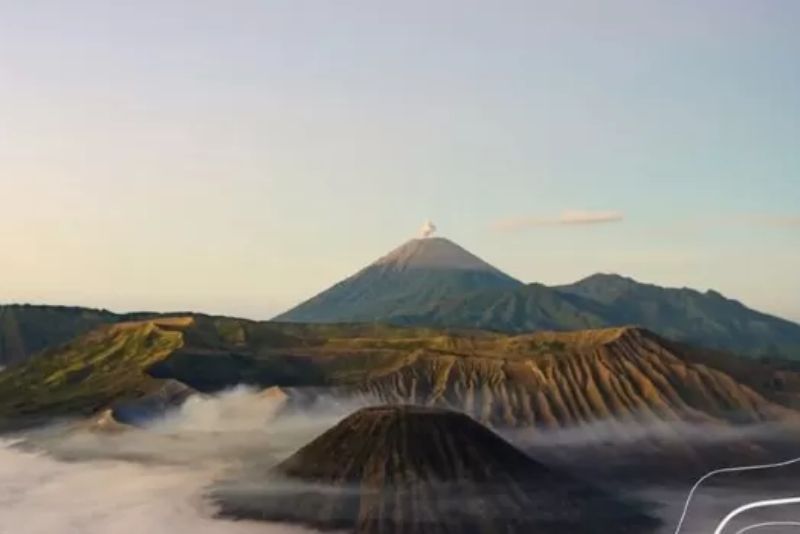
(427, 229)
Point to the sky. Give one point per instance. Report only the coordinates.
(237, 157)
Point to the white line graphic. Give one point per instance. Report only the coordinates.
(769, 524)
(725, 470)
(752, 506)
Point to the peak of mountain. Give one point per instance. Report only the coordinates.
(606, 278)
(413, 277)
(371, 473)
(436, 253)
(601, 286)
(363, 434)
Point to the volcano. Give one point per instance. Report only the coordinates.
(415, 470)
(433, 282)
(415, 276)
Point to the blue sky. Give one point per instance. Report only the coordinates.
(238, 156)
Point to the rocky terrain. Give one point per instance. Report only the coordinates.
(546, 379)
(409, 470)
(619, 406)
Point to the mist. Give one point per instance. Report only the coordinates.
(79, 478)
(42, 495)
(626, 433)
(92, 477)
(657, 462)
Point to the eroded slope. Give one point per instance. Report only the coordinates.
(412, 470)
(544, 379)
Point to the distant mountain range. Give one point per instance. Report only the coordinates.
(435, 282)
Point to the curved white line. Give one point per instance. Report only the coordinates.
(725, 470)
(752, 506)
(769, 524)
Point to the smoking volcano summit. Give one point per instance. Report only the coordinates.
(413, 277)
(434, 282)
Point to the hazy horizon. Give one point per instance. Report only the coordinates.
(238, 159)
(260, 318)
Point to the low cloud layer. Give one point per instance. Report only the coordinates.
(42, 495)
(73, 479)
(566, 218)
(157, 479)
(617, 433)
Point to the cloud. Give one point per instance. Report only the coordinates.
(42, 495)
(233, 425)
(566, 218)
(72, 478)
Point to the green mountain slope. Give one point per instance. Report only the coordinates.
(27, 329)
(708, 318)
(90, 373)
(549, 378)
(525, 308)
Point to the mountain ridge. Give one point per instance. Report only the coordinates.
(434, 282)
(444, 295)
(549, 378)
